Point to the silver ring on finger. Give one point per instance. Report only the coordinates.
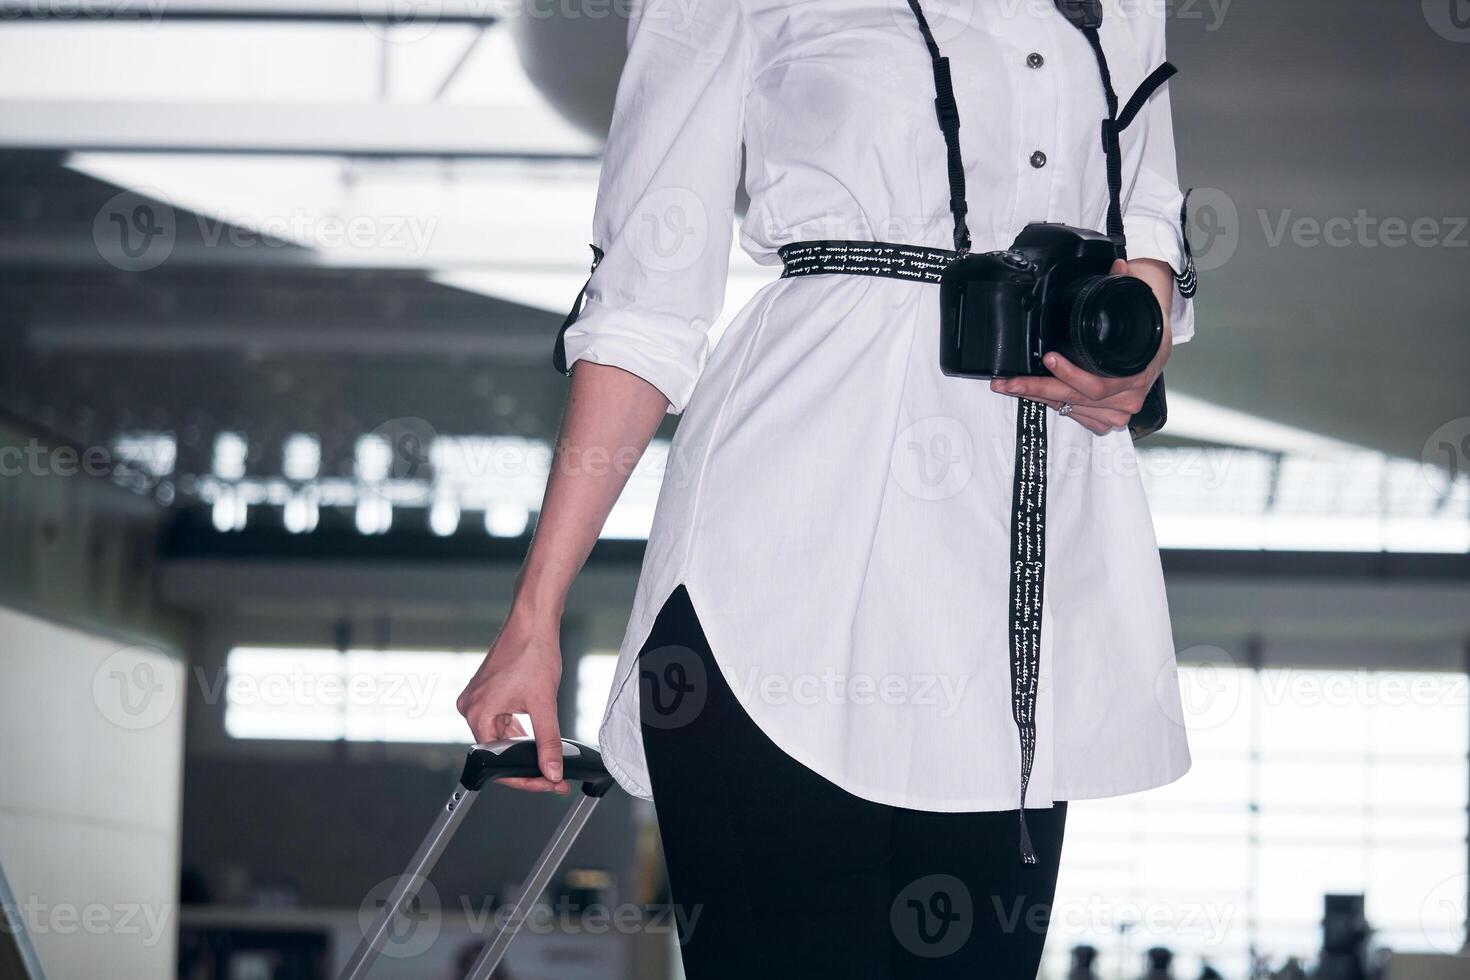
(1065, 410)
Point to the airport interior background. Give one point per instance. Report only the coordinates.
(250, 250)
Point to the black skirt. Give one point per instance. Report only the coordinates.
(777, 872)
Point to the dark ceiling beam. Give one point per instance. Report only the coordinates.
(368, 131)
(124, 13)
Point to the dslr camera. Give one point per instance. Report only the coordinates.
(1050, 291)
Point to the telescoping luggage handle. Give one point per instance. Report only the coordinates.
(486, 762)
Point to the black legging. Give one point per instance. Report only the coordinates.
(776, 872)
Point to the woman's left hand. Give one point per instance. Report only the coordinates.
(1101, 404)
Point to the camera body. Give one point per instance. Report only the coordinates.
(1052, 290)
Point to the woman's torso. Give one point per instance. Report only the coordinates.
(837, 507)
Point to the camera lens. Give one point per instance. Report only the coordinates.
(1114, 327)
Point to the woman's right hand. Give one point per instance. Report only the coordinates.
(610, 417)
(520, 675)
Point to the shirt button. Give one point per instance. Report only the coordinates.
(1034, 60)
(1038, 159)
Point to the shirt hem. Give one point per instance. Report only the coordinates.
(637, 787)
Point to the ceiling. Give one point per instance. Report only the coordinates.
(1287, 114)
(220, 339)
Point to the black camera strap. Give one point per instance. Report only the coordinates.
(948, 113)
(1028, 495)
(1112, 130)
(1086, 16)
(559, 350)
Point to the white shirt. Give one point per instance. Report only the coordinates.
(836, 506)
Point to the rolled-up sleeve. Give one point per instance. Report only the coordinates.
(1153, 214)
(666, 198)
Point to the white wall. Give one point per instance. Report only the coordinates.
(91, 741)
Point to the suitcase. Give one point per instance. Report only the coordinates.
(486, 762)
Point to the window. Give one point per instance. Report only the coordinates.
(1305, 782)
(313, 694)
(595, 672)
(360, 695)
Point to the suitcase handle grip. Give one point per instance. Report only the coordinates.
(517, 757)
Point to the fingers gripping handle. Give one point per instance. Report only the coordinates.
(517, 757)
